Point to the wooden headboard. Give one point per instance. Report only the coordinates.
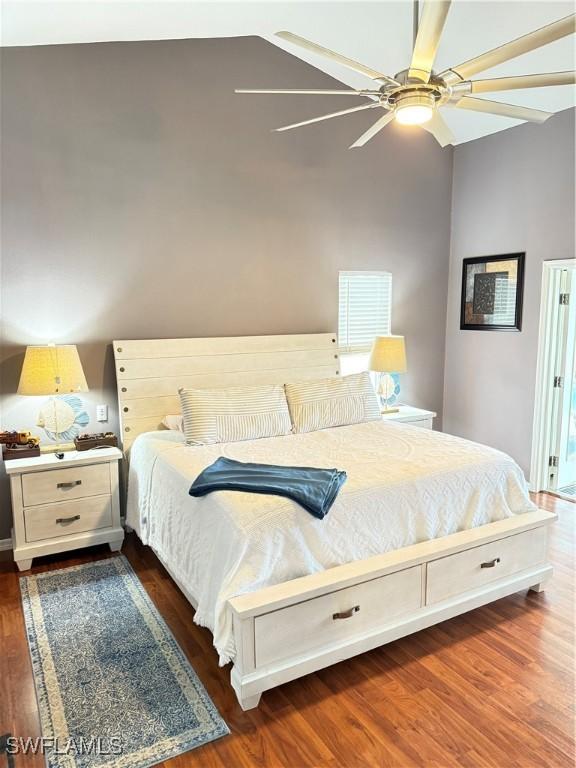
(150, 372)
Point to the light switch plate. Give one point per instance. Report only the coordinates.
(101, 413)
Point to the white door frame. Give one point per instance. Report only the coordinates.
(543, 426)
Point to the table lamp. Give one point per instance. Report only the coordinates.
(53, 370)
(388, 358)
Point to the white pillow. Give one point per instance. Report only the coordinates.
(332, 402)
(238, 413)
(174, 421)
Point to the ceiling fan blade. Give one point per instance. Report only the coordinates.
(430, 28)
(529, 42)
(503, 110)
(328, 54)
(522, 81)
(373, 130)
(327, 117)
(439, 129)
(308, 92)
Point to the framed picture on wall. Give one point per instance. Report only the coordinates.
(492, 289)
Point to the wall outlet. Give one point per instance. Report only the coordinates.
(101, 413)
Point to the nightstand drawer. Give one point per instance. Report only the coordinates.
(422, 423)
(67, 517)
(65, 484)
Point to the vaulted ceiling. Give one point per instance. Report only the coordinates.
(378, 34)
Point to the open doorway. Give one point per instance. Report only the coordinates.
(554, 439)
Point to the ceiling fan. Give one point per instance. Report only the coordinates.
(414, 95)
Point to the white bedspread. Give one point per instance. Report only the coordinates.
(405, 485)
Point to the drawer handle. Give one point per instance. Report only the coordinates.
(69, 485)
(490, 563)
(64, 520)
(346, 614)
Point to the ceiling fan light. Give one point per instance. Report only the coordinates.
(414, 115)
(414, 109)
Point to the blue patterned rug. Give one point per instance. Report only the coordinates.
(114, 688)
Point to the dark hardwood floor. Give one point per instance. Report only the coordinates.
(494, 687)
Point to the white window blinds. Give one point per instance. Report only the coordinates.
(365, 302)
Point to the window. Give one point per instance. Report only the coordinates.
(365, 301)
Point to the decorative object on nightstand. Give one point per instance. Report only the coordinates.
(65, 504)
(388, 358)
(407, 414)
(19, 445)
(101, 440)
(56, 370)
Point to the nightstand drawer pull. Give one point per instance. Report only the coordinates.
(346, 614)
(64, 520)
(72, 484)
(490, 563)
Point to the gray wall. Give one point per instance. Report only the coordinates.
(513, 191)
(143, 199)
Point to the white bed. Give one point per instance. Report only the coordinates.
(405, 485)
(426, 527)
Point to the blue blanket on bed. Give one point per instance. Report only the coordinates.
(314, 489)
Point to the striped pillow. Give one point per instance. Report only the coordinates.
(238, 413)
(332, 402)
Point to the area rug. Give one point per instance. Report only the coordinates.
(569, 490)
(114, 688)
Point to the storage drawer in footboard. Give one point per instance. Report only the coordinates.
(479, 566)
(336, 617)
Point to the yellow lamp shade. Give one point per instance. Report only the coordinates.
(52, 370)
(388, 355)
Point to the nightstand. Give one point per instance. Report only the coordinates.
(63, 504)
(410, 415)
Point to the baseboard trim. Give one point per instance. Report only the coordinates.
(6, 544)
